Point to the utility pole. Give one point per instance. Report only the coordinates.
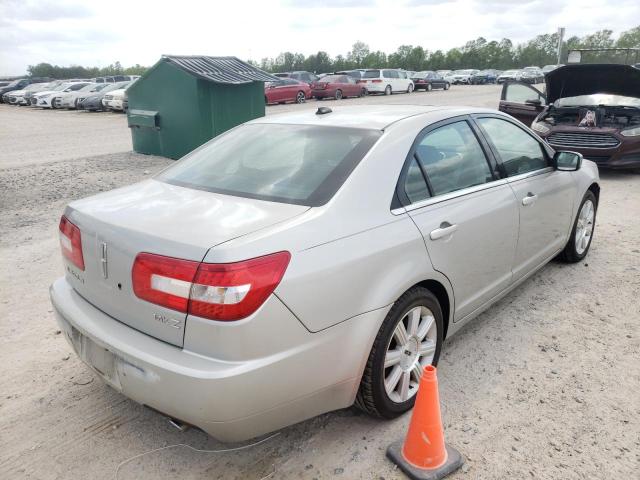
(560, 39)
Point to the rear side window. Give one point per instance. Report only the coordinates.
(518, 93)
(519, 151)
(453, 158)
(415, 185)
(371, 74)
(298, 164)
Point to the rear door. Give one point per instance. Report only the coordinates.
(521, 101)
(467, 215)
(544, 195)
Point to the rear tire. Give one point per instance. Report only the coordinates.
(300, 97)
(582, 233)
(387, 90)
(338, 94)
(428, 88)
(388, 355)
(446, 86)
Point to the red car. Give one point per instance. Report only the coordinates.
(286, 90)
(337, 86)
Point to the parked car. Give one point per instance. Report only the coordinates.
(444, 73)
(70, 99)
(115, 100)
(14, 85)
(510, 76)
(584, 110)
(18, 97)
(550, 68)
(28, 96)
(483, 77)
(462, 76)
(115, 79)
(93, 101)
(428, 80)
(338, 87)
(302, 76)
(302, 262)
(286, 90)
(47, 98)
(386, 80)
(532, 75)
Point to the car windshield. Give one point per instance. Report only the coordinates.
(598, 99)
(371, 74)
(88, 88)
(99, 87)
(297, 164)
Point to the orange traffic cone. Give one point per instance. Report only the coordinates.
(424, 455)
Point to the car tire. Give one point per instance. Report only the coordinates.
(318, 99)
(428, 87)
(338, 94)
(410, 88)
(582, 233)
(373, 397)
(388, 90)
(446, 86)
(300, 97)
(363, 93)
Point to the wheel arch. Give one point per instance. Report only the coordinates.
(595, 188)
(444, 299)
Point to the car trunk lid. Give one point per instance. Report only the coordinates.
(163, 219)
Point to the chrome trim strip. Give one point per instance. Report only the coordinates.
(449, 196)
(533, 173)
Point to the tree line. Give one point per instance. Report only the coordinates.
(479, 53)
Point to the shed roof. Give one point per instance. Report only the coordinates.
(229, 70)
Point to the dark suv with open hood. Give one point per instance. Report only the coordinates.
(590, 109)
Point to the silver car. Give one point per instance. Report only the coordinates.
(305, 262)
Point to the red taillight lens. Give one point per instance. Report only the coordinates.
(226, 291)
(376, 81)
(71, 242)
(165, 281)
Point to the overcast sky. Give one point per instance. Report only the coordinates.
(89, 33)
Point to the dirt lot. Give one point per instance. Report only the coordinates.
(543, 385)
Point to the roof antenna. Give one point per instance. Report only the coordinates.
(323, 110)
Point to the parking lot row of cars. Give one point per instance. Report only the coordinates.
(82, 94)
(300, 86)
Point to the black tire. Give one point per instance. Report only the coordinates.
(410, 88)
(372, 397)
(363, 93)
(388, 90)
(338, 94)
(446, 86)
(428, 87)
(300, 97)
(319, 99)
(570, 253)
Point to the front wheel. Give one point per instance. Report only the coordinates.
(409, 339)
(410, 88)
(446, 86)
(338, 94)
(429, 87)
(580, 240)
(300, 97)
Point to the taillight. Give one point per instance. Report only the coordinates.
(71, 242)
(225, 291)
(376, 81)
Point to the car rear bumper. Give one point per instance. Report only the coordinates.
(230, 400)
(114, 104)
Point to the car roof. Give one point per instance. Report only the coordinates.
(376, 117)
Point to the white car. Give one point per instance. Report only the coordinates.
(17, 97)
(47, 98)
(510, 76)
(387, 81)
(462, 76)
(70, 99)
(115, 100)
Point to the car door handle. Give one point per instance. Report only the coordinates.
(445, 230)
(529, 199)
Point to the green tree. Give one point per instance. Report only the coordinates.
(358, 53)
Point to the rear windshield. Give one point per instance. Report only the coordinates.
(371, 74)
(298, 164)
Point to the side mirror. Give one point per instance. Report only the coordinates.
(536, 102)
(567, 161)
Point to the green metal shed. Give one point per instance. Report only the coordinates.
(184, 101)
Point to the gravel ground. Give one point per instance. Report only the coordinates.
(543, 385)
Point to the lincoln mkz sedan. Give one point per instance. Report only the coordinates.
(304, 262)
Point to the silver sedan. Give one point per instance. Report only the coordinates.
(305, 262)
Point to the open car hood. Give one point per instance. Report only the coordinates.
(588, 79)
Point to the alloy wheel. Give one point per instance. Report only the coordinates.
(584, 227)
(410, 349)
(300, 98)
